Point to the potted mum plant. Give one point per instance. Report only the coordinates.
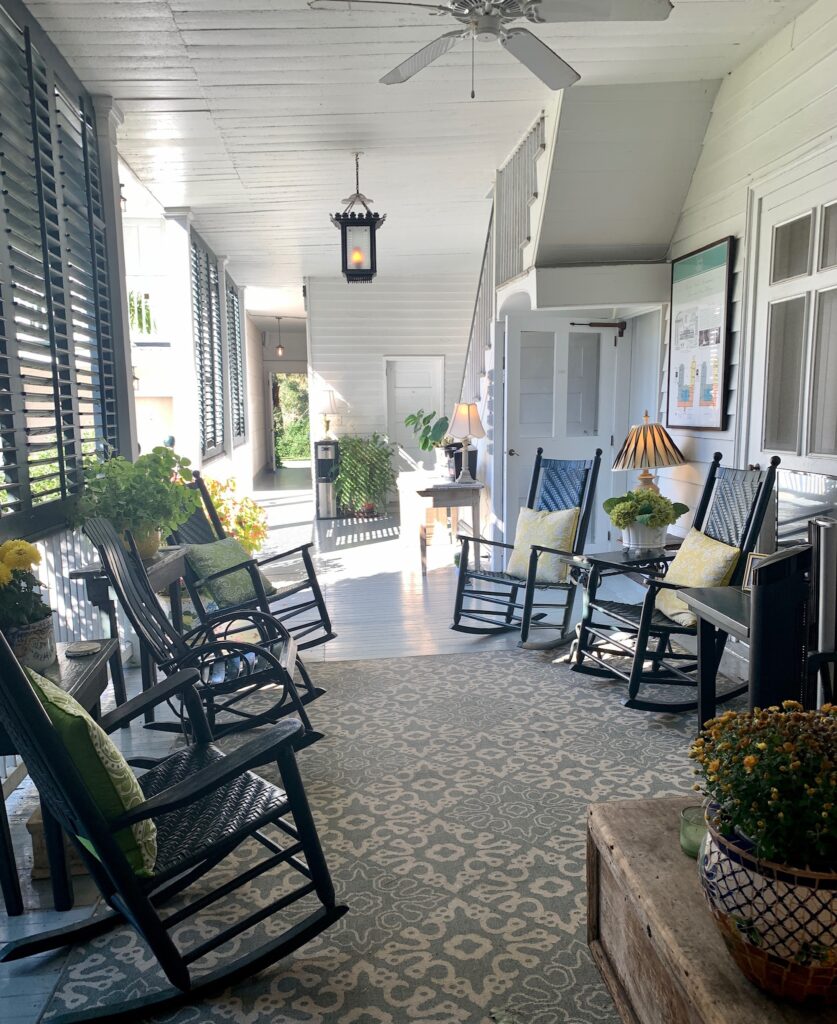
(768, 865)
(643, 517)
(146, 497)
(25, 618)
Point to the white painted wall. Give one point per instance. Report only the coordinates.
(352, 327)
(778, 104)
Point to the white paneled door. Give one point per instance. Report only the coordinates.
(559, 396)
(413, 383)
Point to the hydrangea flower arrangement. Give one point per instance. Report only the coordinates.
(644, 506)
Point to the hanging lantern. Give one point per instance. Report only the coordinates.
(357, 234)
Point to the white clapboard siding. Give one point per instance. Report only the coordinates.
(73, 615)
(353, 326)
(779, 101)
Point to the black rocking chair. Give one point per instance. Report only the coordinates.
(205, 804)
(232, 668)
(731, 510)
(299, 605)
(491, 597)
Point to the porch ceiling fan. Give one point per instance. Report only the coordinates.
(488, 20)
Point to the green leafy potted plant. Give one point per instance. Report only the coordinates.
(146, 497)
(432, 435)
(643, 517)
(25, 618)
(365, 475)
(768, 865)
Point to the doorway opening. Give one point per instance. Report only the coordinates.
(291, 428)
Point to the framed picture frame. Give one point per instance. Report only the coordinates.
(753, 560)
(698, 347)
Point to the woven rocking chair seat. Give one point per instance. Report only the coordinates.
(504, 577)
(633, 612)
(183, 834)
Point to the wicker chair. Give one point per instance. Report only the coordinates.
(731, 510)
(232, 667)
(300, 605)
(204, 804)
(491, 598)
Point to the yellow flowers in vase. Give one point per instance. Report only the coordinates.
(25, 618)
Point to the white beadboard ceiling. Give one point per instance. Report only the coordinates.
(248, 111)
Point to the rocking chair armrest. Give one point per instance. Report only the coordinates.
(283, 554)
(179, 682)
(239, 613)
(484, 540)
(566, 556)
(658, 583)
(257, 751)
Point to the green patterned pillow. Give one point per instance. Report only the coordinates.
(110, 781)
(228, 591)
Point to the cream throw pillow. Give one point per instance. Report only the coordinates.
(550, 529)
(700, 562)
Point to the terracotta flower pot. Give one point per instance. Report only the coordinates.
(33, 645)
(779, 923)
(147, 542)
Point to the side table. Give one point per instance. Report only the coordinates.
(452, 495)
(86, 679)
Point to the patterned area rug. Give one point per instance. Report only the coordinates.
(451, 794)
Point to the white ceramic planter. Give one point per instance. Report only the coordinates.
(644, 537)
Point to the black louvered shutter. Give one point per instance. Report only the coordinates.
(206, 314)
(56, 367)
(235, 360)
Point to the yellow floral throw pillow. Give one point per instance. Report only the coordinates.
(700, 562)
(550, 529)
(109, 778)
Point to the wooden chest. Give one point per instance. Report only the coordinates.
(650, 930)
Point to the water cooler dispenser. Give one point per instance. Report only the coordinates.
(326, 461)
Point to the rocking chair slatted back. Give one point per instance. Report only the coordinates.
(559, 484)
(733, 505)
(197, 529)
(135, 593)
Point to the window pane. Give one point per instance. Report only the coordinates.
(785, 356)
(583, 384)
(829, 237)
(824, 413)
(791, 246)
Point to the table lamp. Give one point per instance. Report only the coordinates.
(648, 446)
(328, 409)
(465, 424)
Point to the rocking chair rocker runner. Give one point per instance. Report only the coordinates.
(731, 510)
(306, 618)
(491, 598)
(232, 669)
(204, 804)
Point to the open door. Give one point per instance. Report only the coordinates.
(559, 396)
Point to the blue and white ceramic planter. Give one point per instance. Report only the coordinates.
(779, 923)
(34, 645)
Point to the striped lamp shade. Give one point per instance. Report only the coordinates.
(648, 445)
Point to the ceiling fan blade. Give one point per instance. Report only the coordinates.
(539, 59)
(371, 5)
(599, 10)
(421, 58)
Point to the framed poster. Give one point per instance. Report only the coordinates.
(699, 336)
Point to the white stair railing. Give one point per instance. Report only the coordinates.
(479, 338)
(515, 191)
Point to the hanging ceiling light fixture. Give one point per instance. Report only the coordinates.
(357, 234)
(280, 348)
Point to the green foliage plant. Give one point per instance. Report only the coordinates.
(772, 777)
(429, 429)
(645, 507)
(240, 516)
(290, 417)
(365, 474)
(142, 496)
